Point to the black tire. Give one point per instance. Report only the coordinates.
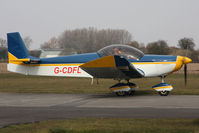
(121, 93)
(163, 93)
(131, 93)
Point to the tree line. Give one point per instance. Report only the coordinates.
(91, 40)
(88, 39)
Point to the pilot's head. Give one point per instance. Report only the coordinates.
(116, 51)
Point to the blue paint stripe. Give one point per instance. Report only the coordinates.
(83, 58)
(156, 58)
(161, 85)
(71, 59)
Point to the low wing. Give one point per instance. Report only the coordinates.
(114, 66)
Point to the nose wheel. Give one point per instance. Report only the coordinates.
(163, 93)
(163, 88)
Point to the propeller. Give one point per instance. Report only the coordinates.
(183, 60)
(186, 61)
(185, 74)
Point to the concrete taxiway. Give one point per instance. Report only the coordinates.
(24, 108)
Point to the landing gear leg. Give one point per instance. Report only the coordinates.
(162, 78)
(131, 92)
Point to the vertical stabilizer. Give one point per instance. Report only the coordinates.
(16, 47)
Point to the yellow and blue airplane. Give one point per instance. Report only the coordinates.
(118, 61)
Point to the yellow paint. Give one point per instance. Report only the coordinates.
(55, 64)
(162, 87)
(12, 59)
(146, 63)
(15, 60)
(187, 60)
(107, 61)
(21, 60)
(120, 88)
(179, 63)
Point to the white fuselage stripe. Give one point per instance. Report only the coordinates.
(150, 69)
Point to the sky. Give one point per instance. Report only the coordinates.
(146, 20)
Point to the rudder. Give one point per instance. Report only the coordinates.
(16, 47)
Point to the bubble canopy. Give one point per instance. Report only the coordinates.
(121, 49)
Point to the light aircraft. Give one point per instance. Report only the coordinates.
(118, 61)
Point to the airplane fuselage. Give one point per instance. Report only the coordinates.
(68, 66)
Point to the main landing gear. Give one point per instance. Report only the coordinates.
(163, 88)
(128, 89)
(124, 89)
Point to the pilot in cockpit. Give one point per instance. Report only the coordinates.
(116, 51)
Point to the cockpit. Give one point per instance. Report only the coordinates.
(121, 49)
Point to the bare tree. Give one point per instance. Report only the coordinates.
(185, 43)
(3, 42)
(3, 53)
(52, 43)
(28, 41)
(91, 39)
(134, 44)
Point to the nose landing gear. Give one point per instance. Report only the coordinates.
(163, 88)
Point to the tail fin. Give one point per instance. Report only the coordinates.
(16, 47)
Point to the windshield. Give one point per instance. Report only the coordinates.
(121, 49)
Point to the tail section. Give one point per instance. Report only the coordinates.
(16, 48)
(18, 56)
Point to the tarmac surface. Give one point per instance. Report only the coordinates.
(24, 108)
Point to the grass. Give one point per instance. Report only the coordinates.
(108, 125)
(35, 84)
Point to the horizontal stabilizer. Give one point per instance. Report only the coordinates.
(26, 60)
(21, 60)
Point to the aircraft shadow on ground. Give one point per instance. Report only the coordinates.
(113, 95)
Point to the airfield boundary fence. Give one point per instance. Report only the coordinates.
(192, 68)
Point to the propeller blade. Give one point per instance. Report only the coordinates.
(185, 74)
